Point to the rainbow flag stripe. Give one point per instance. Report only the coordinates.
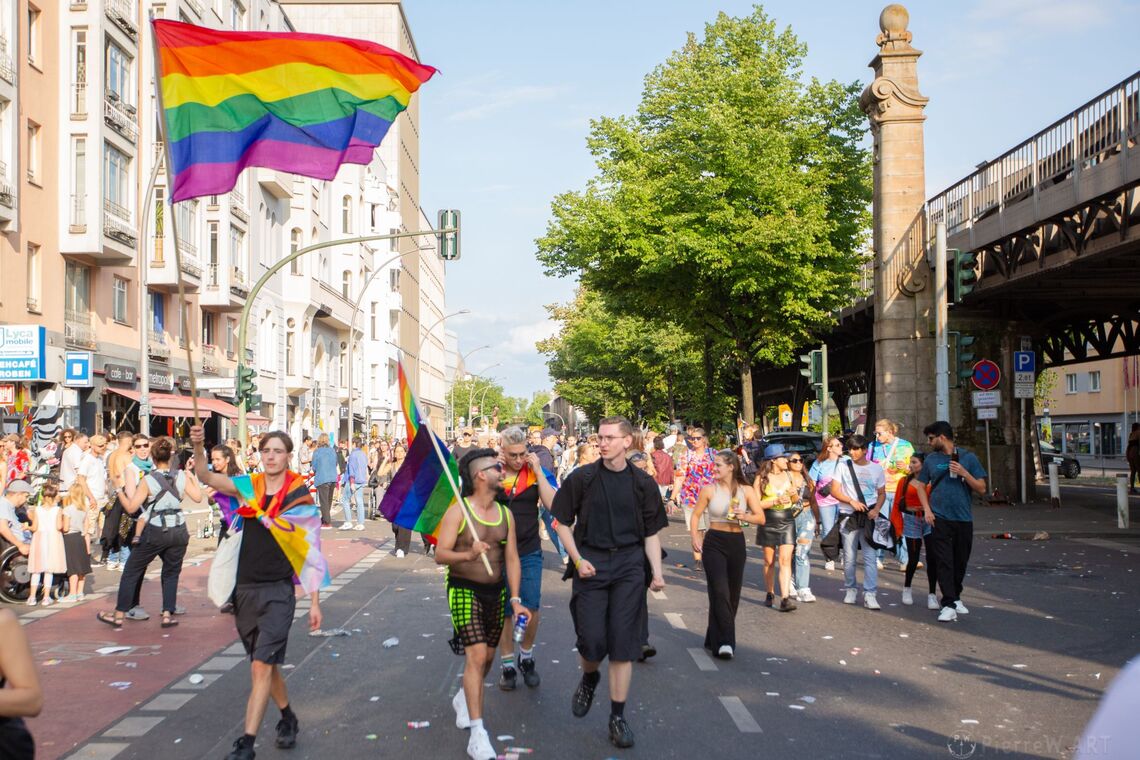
(299, 103)
(412, 417)
(420, 494)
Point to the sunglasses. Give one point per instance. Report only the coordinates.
(797, 460)
(142, 445)
(496, 466)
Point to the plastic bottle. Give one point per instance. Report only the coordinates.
(389, 643)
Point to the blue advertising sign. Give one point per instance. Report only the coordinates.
(22, 352)
(77, 369)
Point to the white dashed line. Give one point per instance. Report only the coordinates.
(701, 657)
(675, 620)
(740, 715)
(98, 751)
(168, 701)
(132, 727)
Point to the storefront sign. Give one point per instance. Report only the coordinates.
(22, 352)
(7, 395)
(77, 369)
(161, 381)
(184, 382)
(120, 373)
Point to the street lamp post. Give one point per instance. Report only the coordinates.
(463, 363)
(471, 391)
(426, 335)
(484, 396)
(555, 414)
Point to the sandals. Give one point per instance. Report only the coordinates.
(112, 619)
(168, 620)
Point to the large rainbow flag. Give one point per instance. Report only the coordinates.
(299, 103)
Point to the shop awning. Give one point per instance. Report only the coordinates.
(169, 405)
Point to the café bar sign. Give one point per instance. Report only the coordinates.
(120, 373)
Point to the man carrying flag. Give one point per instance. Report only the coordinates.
(525, 484)
(477, 599)
(280, 545)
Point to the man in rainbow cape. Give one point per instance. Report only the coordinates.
(280, 528)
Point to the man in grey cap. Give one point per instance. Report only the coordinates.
(15, 496)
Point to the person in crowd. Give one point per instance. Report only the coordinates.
(892, 454)
(524, 490)
(587, 454)
(860, 486)
(697, 470)
(236, 447)
(15, 495)
(464, 444)
(953, 476)
(75, 447)
(909, 521)
(822, 474)
(609, 519)
(325, 476)
(19, 461)
(353, 481)
(76, 549)
(640, 460)
(780, 495)
(21, 695)
(305, 456)
(663, 468)
(223, 460)
(157, 496)
(384, 468)
(115, 546)
(477, 598)
(1132, 456)
(536, 446)
(403, 535)
(47, 557)
(730, 503)
(806, 522)
(93, 470)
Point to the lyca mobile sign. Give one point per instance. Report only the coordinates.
(22, 352)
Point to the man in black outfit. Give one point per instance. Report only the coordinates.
(609, 514)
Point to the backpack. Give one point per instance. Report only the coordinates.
(164, 508)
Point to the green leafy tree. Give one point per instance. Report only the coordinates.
(468, 392)
(738, 194)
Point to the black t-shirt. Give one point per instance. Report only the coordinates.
(458, 451)
(524, 509)
(261, 559)
(613, 522)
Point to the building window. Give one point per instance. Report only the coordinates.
(79, 72)
(1070, 383)
(119, 300)
(375, 380)
(117, 182)
(325, 268)
(343, 365)
(212, 230)
(118, 74)
(209, 329)
(372, 320)
(1094, 382)
(76, 292)
(294, 246)
(33, 152)
(394, 243)
(394, 280)
(34, 277)
(78, 205)
(230, 337)
(33, 35)
(187, 224)
(237, 248)
(157, 308)
(346, 214)
(290, 350)
(346, 285)
(237, 15)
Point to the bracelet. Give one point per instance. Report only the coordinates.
(577, 562)
(514, 599)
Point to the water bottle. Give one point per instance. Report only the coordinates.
(521, 620)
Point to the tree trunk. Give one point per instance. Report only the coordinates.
(709, 379)
(669, 394)
(746, 391)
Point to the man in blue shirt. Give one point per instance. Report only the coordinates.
(353, 480)
(324, 477)
(954, 476)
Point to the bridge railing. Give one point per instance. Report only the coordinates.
(1105, 126)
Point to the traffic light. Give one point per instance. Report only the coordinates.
(813, 366)
(965, 274)
(246, 385)
(448, 237)
(966, 356)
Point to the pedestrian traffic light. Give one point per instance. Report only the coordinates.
(246, 385)
(965, 274)
(448, 236)
(813, 366)
(966, 356)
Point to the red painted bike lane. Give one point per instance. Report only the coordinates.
(86, 691)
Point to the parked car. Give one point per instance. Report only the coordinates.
(807, 445)
(1068, 466)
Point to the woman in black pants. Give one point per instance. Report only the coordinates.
(730, 502)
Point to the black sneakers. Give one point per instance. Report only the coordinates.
(287, 733)
(621, 735)
(241, 751)
(786, 604)
(583, 698)
(530, 675)
(769, 599)
(647, 651)
(508, 679)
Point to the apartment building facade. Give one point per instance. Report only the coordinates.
(1093, 406)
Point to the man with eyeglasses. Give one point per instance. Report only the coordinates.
(609, 519)
(954, 475)
(94, 472)
(697, 470)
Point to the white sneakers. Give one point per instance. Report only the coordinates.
(459, 704)
(829, 565)
(806, 595)
(960, 608)
(870, 602)
(345, 526)
(399, 554)
(908, 597)
(932, 602)
(725, 652)
(359, 526)
(479, 746)
(947, 615)
(851, 596)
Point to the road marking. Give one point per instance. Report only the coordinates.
(659, 595)
(1116, 546)
(701, 657)
(675, 620)
(136, 726)
(740, 715)
(98, 751)
(168, 701)
(220, 663)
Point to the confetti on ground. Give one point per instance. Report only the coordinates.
(773, 693)
(52, 662)
(904, 635)
(111, 650)
(120, 685)
(374, 699)
(1019, 666)
(419, 656)
(371, 737)
(827, 638)
(970, 721)
(797, 707)
(809, 700)
(843, 662)
(504, 738)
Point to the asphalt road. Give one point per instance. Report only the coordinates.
(1050, 624)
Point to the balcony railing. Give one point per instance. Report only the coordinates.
(237, 283)
(79, 100)
(191, 265)
(77, 329)
(156, 345)
(209, 364)
(237, 206)
(122, 12)
(120, 117)
(196, 7)
(7, 68)
(119, 212)
(187, 247)
(212, 276)
(78, 210)
(117, 223)
(6, 196)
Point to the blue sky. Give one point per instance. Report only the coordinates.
(503, 129)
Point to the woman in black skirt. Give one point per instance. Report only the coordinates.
(76, 522)
(780, 495)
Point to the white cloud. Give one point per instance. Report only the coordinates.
(1044, 15)
(532, 333)
(488, 101)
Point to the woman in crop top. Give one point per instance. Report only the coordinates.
(909, 522)
(782, 495)
(730, 503)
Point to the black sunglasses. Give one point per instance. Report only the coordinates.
(797, 460)
(496, 466)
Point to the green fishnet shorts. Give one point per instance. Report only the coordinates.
(476, 616)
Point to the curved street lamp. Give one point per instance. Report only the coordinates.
(471, 391)
(426, 335)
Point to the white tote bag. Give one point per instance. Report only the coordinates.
(223, 571)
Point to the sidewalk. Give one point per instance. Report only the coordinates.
(1086, 512)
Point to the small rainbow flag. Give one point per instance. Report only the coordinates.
(299, 103)
(412, 417)
(513, 485)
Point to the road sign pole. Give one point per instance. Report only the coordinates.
(989, 466)
(1024, 485)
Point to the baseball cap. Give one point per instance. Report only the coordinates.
(18, 486)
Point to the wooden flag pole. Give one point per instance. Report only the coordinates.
(183, 306)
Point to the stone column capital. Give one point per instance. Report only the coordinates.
(888, 100)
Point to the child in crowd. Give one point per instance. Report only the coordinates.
(76, 526)
(46, 557)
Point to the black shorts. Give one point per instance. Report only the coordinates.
(476, 615)
(263, 613)
(607, 607)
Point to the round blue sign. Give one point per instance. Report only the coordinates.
(986, 375)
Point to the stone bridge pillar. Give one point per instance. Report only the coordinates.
(904, 299)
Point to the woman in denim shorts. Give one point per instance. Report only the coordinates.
(907, 518)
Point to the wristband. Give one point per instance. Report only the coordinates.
(577, 562)
(514, 599)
